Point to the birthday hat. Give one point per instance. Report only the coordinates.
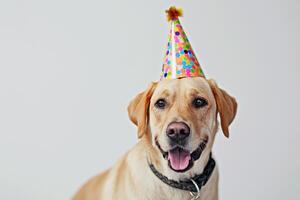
(180, 60)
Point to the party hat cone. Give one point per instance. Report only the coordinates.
(180, 60)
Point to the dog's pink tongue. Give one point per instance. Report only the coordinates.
(179, 158)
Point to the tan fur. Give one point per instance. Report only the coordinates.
(226, 104)
(138, 109)
(130, 178)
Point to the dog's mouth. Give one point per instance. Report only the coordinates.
(181, 160)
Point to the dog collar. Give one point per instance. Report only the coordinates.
(188, 185)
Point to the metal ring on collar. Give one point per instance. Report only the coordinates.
(195, 195)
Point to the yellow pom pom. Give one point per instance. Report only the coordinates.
(173, 13)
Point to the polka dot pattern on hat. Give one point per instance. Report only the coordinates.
(185, 60)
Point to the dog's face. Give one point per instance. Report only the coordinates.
(182, 120)
(181, 117)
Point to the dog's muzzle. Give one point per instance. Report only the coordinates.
(178, 133)
(180, 159)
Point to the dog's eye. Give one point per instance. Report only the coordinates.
(161, 104)
(199, 102)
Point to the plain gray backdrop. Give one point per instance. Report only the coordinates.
(69, 68)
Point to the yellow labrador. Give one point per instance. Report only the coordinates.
(177, 123)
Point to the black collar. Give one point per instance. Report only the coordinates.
(188, 185)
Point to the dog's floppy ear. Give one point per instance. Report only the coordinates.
(138, 109)
(226, 106)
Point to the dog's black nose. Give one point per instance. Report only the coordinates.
(178, 131)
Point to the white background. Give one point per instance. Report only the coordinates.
(69, 68)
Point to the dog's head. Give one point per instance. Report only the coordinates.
(180, 118)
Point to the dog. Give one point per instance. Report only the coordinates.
(177, 121)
